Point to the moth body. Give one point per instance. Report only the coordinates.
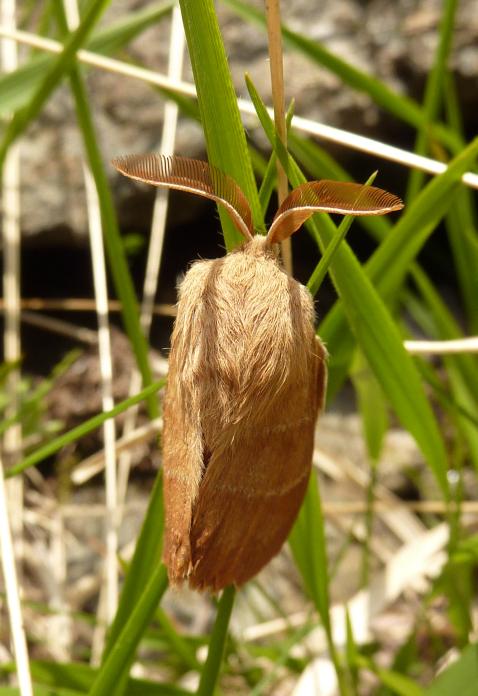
(246, 380)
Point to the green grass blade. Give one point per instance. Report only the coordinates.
(182, 649)
(17, 87)
(223, 129)
(120, 32)
(371, 405)
(391, 262)
(77, 678)
(57, 70)
(397, 683)
(462, 225)
(75, 433)
(433, 92)
(320, 271)
(374, 330)
(460, 678)
(308, 545)
(401, 106)
(210, 671)
(121, 655)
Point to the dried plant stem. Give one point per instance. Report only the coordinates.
(12, 352)
(80, 304)
(93, 465)
(278, 100)
(61, 638)
(329, 133)
(106, 367)
(13, 595)
(456, 345)
(12, 441)
(158, 225)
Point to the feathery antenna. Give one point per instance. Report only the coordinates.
(343, 198)
(193, 176)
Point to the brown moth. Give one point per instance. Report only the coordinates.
(247, 378)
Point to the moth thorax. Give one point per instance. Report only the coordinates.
(258, 246)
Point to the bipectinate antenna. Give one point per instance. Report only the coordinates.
(343, 198)
(193, 176)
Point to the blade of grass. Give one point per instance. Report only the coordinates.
(17, 88)
(333, 327)
(461, 369)
(75, 433)
(433, 92)
(320, 271)
(269, 177)
(374, 328)
(223, 129)
(308, 546)
(119, 659)
(52, 77)
(78, 677)
(462, 224)
(114, 246)
(212, 666)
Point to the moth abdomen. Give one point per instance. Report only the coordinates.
(243, 383)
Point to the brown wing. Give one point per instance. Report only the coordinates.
(240, 523)
(182, 465)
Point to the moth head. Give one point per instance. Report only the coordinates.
(201, 178)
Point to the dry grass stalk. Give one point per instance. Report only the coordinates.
(305, 125)
(277, 83)
(158, 227)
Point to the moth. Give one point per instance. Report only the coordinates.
(247, 379)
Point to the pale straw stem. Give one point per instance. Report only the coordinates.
(13, 595)
(277, 83)
(158, 225)
(449, 347)
(12, 493)
(12, 441)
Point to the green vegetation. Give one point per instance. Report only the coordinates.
(435, 402)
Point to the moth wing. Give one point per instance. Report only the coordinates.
(182, 466)
(183, 446)
(238, 525)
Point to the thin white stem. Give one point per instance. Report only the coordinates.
(336, 135)
(106, 367)
(60, 640)
(456, 345)
(91, 466)
(13, 595)
(158, 225)
(80, 304)
(12, 441)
